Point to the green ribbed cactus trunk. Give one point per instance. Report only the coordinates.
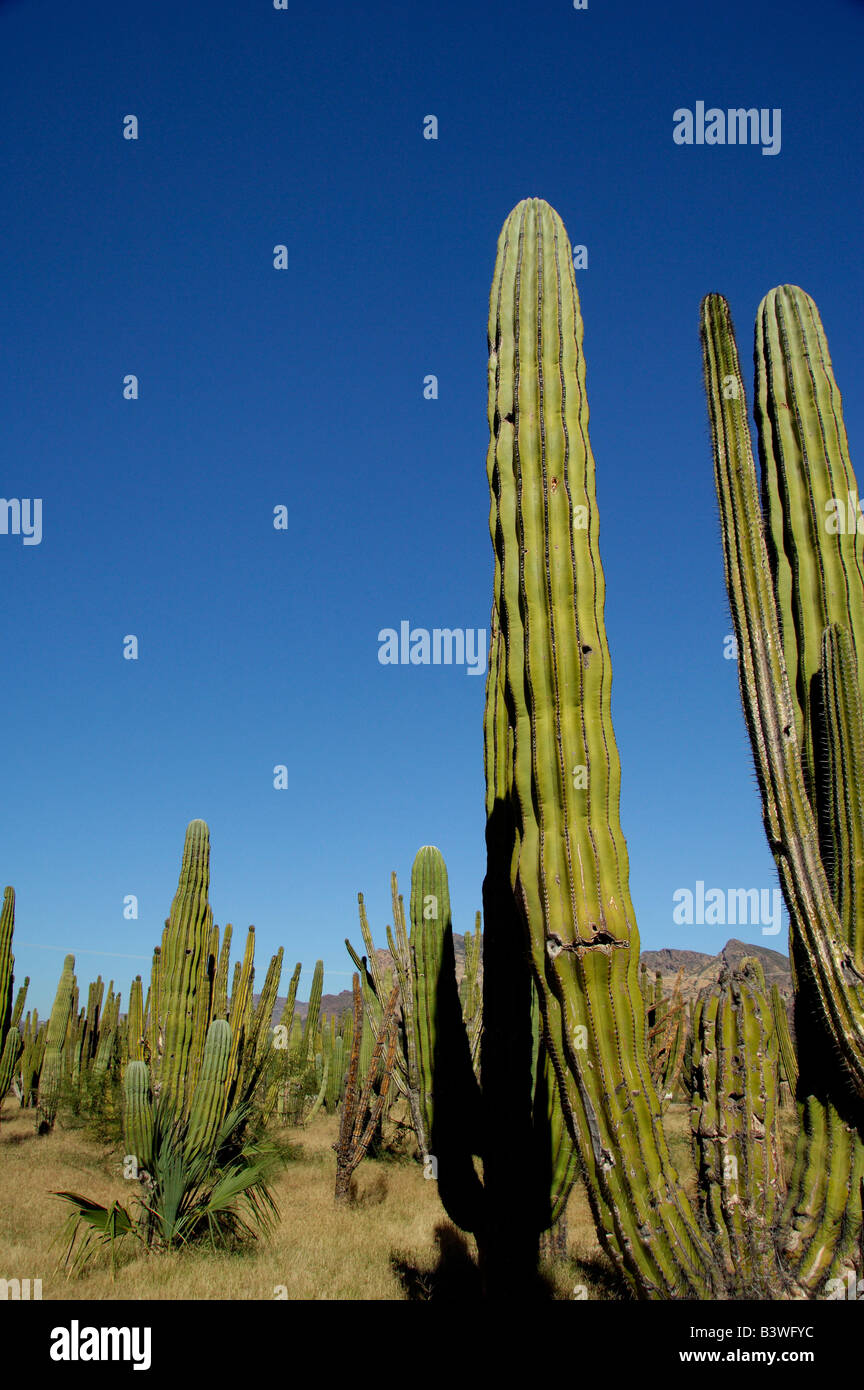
(134, 1039)
(137, 1119)
(7, 960)
(211, 1096)
(313, 1015)
(557, 888)
(795, 577)
(734, 1118)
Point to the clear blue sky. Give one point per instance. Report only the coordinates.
(304, 387)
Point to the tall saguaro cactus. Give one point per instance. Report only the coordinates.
(557, 880)
(795, 577)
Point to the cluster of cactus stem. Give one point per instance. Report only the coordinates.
(796, 587)
(205, 1053)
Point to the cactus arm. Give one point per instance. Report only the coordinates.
(135, 1023)
(768, 707)
(7, 960)
(19, 1003)
(241, 996)
(783, 596)
(211, 1096)
(220, 984)
(314, 1014)
(138, 1114)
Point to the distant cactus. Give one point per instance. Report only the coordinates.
(52, 1063)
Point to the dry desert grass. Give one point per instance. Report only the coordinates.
(394, 1242)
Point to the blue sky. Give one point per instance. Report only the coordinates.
(303, 387)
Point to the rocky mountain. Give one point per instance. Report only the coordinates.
(701, 969)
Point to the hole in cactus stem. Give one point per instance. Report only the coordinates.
(510, 418)
(586, 650)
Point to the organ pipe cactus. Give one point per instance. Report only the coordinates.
(186, 971)
(795, 578)
(556, 888)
